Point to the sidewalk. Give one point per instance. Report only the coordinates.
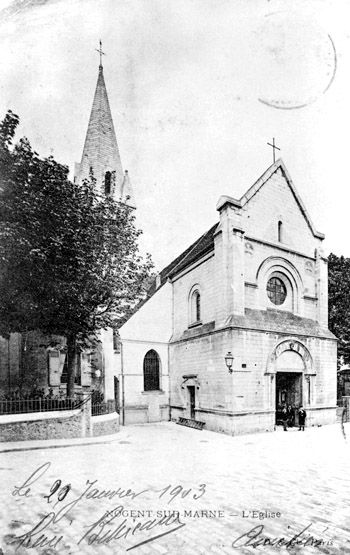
(124, 433)
(9, 446)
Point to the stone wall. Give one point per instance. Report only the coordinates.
(105, 424)
(245, 400)
(55, 425)
(76, 423)
(233, 423)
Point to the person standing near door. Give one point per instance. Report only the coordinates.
(285, 418)
(302, 417)
(291, 416)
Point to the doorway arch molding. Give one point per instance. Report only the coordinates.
(294, 345)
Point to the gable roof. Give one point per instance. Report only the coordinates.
(205, 243)
(279, 164)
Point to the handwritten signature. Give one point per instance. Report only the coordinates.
(256, 538)
(97, 532)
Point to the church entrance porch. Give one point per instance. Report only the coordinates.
(288, 393)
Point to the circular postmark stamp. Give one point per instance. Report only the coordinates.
(296, 61)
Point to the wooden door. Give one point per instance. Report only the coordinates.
(192, 399)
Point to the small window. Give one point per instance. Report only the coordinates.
(108, 183)
(195, 307)
(276, 291)
(280, 235)
(116, 341)
(151, 371)
(198, 306)
(64, 375)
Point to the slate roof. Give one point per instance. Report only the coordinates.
(101, 152)
(199, 248)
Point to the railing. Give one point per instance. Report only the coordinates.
(97, 409)
(20, 406)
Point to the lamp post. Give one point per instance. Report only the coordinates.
(229, 361)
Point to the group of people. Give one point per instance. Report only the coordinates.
(288, 417)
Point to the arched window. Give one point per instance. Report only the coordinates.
(198, 306)
(195, 307)
(280, 236)
(108, 183)
(151, 371)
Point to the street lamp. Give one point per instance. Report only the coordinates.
(229, 361)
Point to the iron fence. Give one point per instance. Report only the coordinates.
(97, 409)
(20, 406)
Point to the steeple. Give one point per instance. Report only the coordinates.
(100, 152)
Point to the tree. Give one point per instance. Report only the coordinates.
(339, 303)
(69, 259)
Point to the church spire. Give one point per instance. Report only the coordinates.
(100, 152)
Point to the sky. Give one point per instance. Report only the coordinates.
(197, 88)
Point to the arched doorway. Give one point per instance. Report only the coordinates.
(289, 362)
(289, 383)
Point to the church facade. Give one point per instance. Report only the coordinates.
(237, 326)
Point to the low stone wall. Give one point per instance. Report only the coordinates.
(65, 424)
(232, 423)
(236, 423)
(42, 425)
(140, 414)
(105, 424)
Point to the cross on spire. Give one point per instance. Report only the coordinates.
(101, 53)
(274, 147)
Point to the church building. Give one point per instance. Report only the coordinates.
(233, 329)
(236, 327)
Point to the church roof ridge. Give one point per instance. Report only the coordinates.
(279, 164)
(197, 249)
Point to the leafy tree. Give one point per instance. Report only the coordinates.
(69, 259)
(339, 303)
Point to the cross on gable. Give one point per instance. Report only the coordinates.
(101, 53)
(274, 147)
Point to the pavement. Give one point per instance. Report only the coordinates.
(167, 489)
(30, 445)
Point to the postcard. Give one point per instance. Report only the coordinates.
(174, 277)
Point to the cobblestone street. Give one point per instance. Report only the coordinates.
(146, 473)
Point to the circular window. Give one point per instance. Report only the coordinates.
(276, 290)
